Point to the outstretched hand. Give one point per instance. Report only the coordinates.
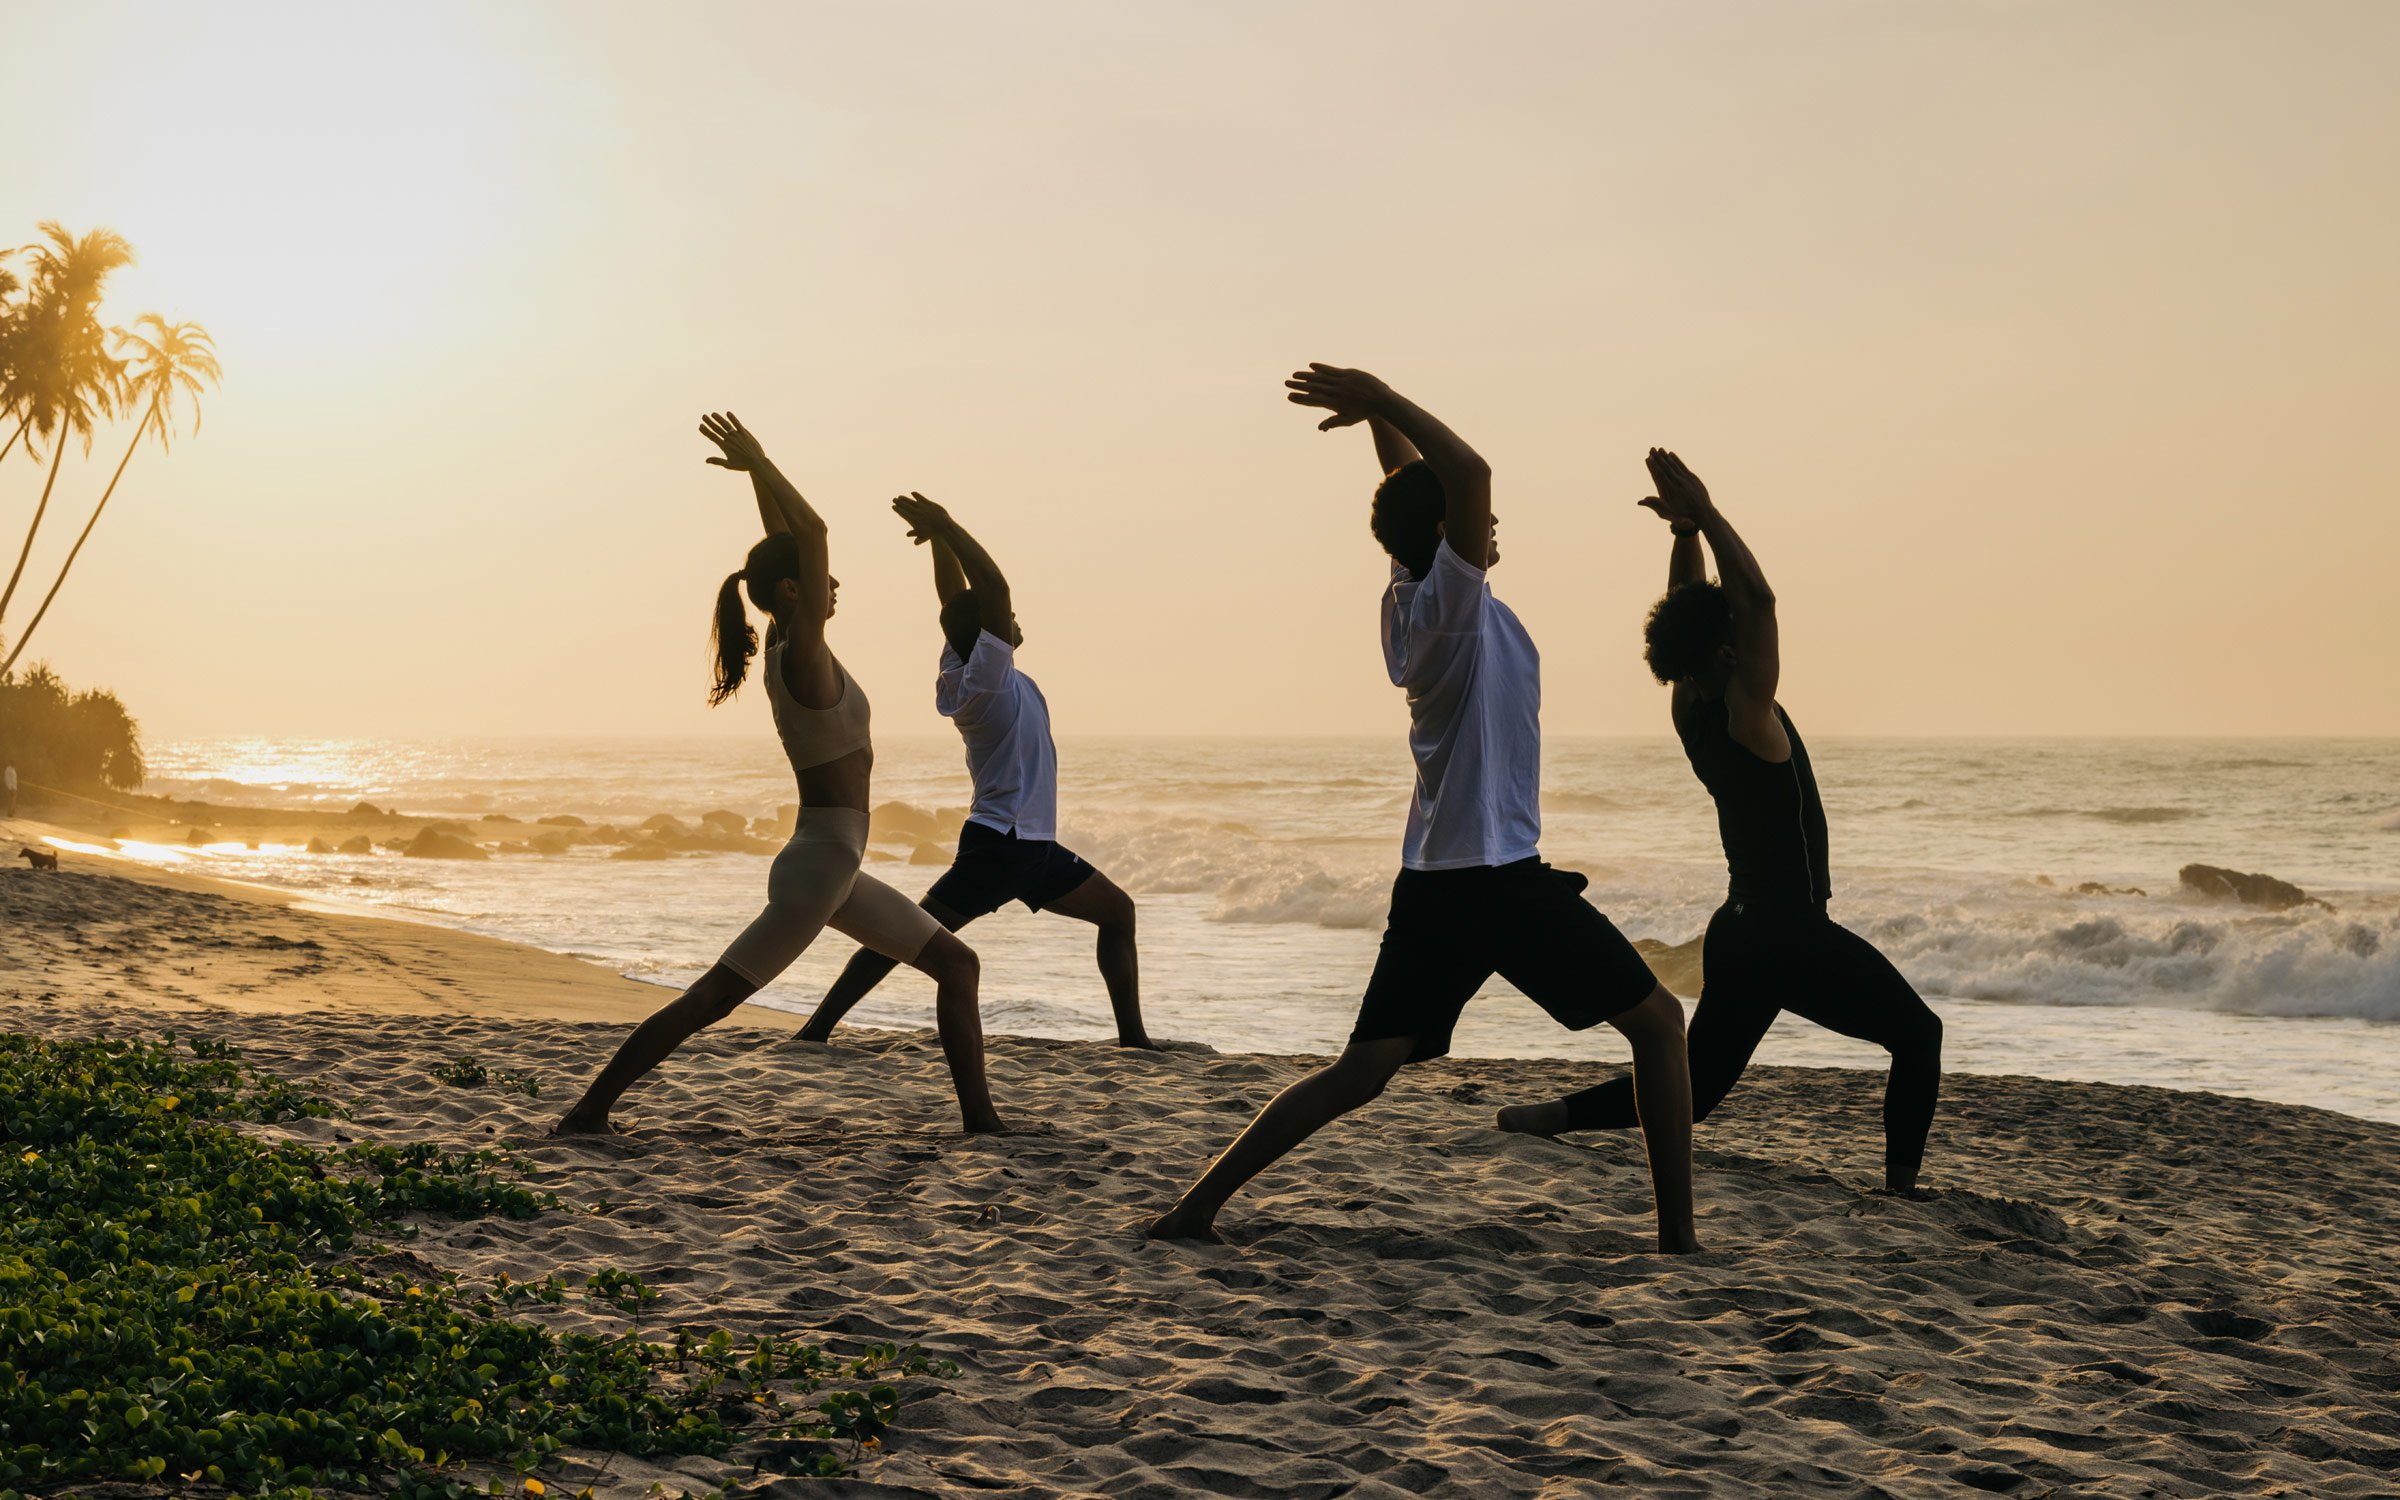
(742, 452)
(925, 519)
(1351, 395)
(1682, 500)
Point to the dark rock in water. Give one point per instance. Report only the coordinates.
(455, 830)
(2095, 888)
(722, 821)
(929, 854)
(899, 820)
(609, 833)
(643, 851)
(435, 843)
(561, 820)
(367, 810)
(2250, 890)
(194, 836)
(1677, 965)
(499, 818)
(661, 823)
(713, 841)
(360, 845)
(553, 842)
(319, 846)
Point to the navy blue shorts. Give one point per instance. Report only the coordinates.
(1450, 930)
(994, 868)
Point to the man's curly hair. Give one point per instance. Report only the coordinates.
(1685, 630)
(1407, 517)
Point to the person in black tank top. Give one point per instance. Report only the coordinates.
(1771, 947)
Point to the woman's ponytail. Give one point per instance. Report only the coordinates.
(731, 642)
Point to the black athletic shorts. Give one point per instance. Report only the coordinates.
(1450, 930)
(994, 868)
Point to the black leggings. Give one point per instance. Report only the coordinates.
(1759, 960)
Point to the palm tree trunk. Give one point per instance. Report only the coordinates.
(12, 439)
(27, 633)
(27, 550)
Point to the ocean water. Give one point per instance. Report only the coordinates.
(1262, 867)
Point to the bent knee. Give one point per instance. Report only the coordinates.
(1658, 1018)
(1923, 1038)
(946, 960)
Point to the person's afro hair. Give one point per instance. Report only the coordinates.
(1407, 517)
(1685, 630)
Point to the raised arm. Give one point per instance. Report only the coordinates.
(1686, 563)
(781, 506)
(1757, 647)
(948, 578)
(1355, 396)
(928, 522)
(808, 670)
(1391, 449)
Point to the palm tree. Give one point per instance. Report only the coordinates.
(12, 322)
(64, 374)
(167, 359)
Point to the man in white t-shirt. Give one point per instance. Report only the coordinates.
(1473, 898)
(1009, 849)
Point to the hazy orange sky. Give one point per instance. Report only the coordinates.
(2046, 353)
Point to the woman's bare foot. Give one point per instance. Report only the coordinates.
(987, 1123)
(1142, 1043)
(575, 1122)
(1180, 1223)
(1535, 1119)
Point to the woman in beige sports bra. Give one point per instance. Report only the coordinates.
(815, 883)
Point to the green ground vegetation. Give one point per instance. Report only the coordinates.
(183, 1301)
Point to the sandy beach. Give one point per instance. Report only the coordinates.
(2116, 1291)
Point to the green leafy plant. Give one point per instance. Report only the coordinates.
(183, 1301)
(469, 1073)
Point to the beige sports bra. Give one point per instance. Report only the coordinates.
(814, 736)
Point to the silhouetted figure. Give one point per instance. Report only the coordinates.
(1009, 849)
(8, 791)
(1770, 947)
(821, 717)
(1473, 897)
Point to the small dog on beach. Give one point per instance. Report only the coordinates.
(42, 859)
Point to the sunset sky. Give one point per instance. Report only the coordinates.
(2046, 353)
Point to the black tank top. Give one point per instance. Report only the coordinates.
(1768, 815)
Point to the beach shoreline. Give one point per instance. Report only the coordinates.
(2116, 1290)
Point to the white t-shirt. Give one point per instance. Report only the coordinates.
(1006, 723)
(1474, 683)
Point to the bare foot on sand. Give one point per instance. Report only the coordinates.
(989, 1124)
(1910, 1191)
(1140, 1043)
(1180, 1223)
(1683, 1241)
(571, 1124)
(1534, 1119)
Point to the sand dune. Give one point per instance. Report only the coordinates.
(2118, 1291)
